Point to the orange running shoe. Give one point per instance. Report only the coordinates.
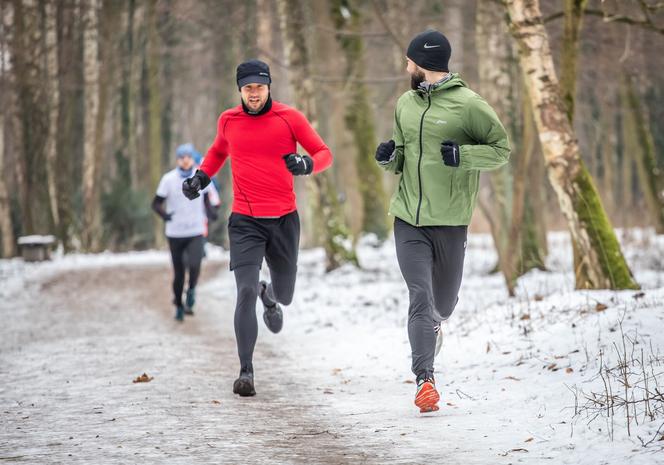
(427, 396)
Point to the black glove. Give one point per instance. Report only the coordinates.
(192, 185)
(167, 217)
(450, 152)
(385, 152)
(299, 164)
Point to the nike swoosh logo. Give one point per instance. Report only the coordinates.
(430, 46)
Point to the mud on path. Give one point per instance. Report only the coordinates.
(71, 345)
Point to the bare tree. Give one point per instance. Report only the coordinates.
(577, 195)
(511, 217)
(51, 77)
(6, 227)
(32, 119)
(91, 219)
(338, 244)
(359, 117)
(155, 141)
(642, 150)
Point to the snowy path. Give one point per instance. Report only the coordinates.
(334, 387)
(68, 355)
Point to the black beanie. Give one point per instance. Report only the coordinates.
(253, 72)
(430, 50)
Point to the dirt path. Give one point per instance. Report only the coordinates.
(70, 347)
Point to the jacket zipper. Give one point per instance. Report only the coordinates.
(419, 162)
(452, 183)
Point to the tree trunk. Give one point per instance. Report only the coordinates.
(51, 77)
(67, 140)
(524, 249)
(130, 81)
(642, 150)
(155, 145)
(90, 235)
(580, 204)
(495, 83)
(167, 34)
(27, 52)
(571, 34)
(359, 118)
(6, 230)
(500, 82)
(338, 243)
(7, 245)
(573, 15)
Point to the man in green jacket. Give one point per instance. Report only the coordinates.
(444, 135)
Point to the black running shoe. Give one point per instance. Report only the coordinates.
(244, 385)
(273, 316)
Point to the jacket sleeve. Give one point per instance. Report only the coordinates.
(491, 149)
(395, 165)
(310, 141)
(217, 153)
(158, 206)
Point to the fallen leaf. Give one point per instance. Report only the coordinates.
(519, 449)
(525, 316)
(569, 370)
(637, 296)
(552, 367)
(328, 391)
(600, 307)
(144, 378)
(488, 347)
(336, 371)
(529, 439)
(216, 402)
(512, 378)
(538, 298)
(409, 381)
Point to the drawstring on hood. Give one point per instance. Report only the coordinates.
(427, 87)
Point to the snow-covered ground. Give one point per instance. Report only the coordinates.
(509, 366)
(511, 372)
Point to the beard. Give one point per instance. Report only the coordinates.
(416, 79)
(256, 106)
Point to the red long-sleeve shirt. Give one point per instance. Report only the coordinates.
(262, 185)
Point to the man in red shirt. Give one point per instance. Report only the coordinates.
(261, 137)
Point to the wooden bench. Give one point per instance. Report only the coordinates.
(36, 248)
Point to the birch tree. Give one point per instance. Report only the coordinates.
(575, 189)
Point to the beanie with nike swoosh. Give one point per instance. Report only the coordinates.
(430, 50)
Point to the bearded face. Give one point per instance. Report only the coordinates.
(416, 78)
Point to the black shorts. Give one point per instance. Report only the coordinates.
(276, 239)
